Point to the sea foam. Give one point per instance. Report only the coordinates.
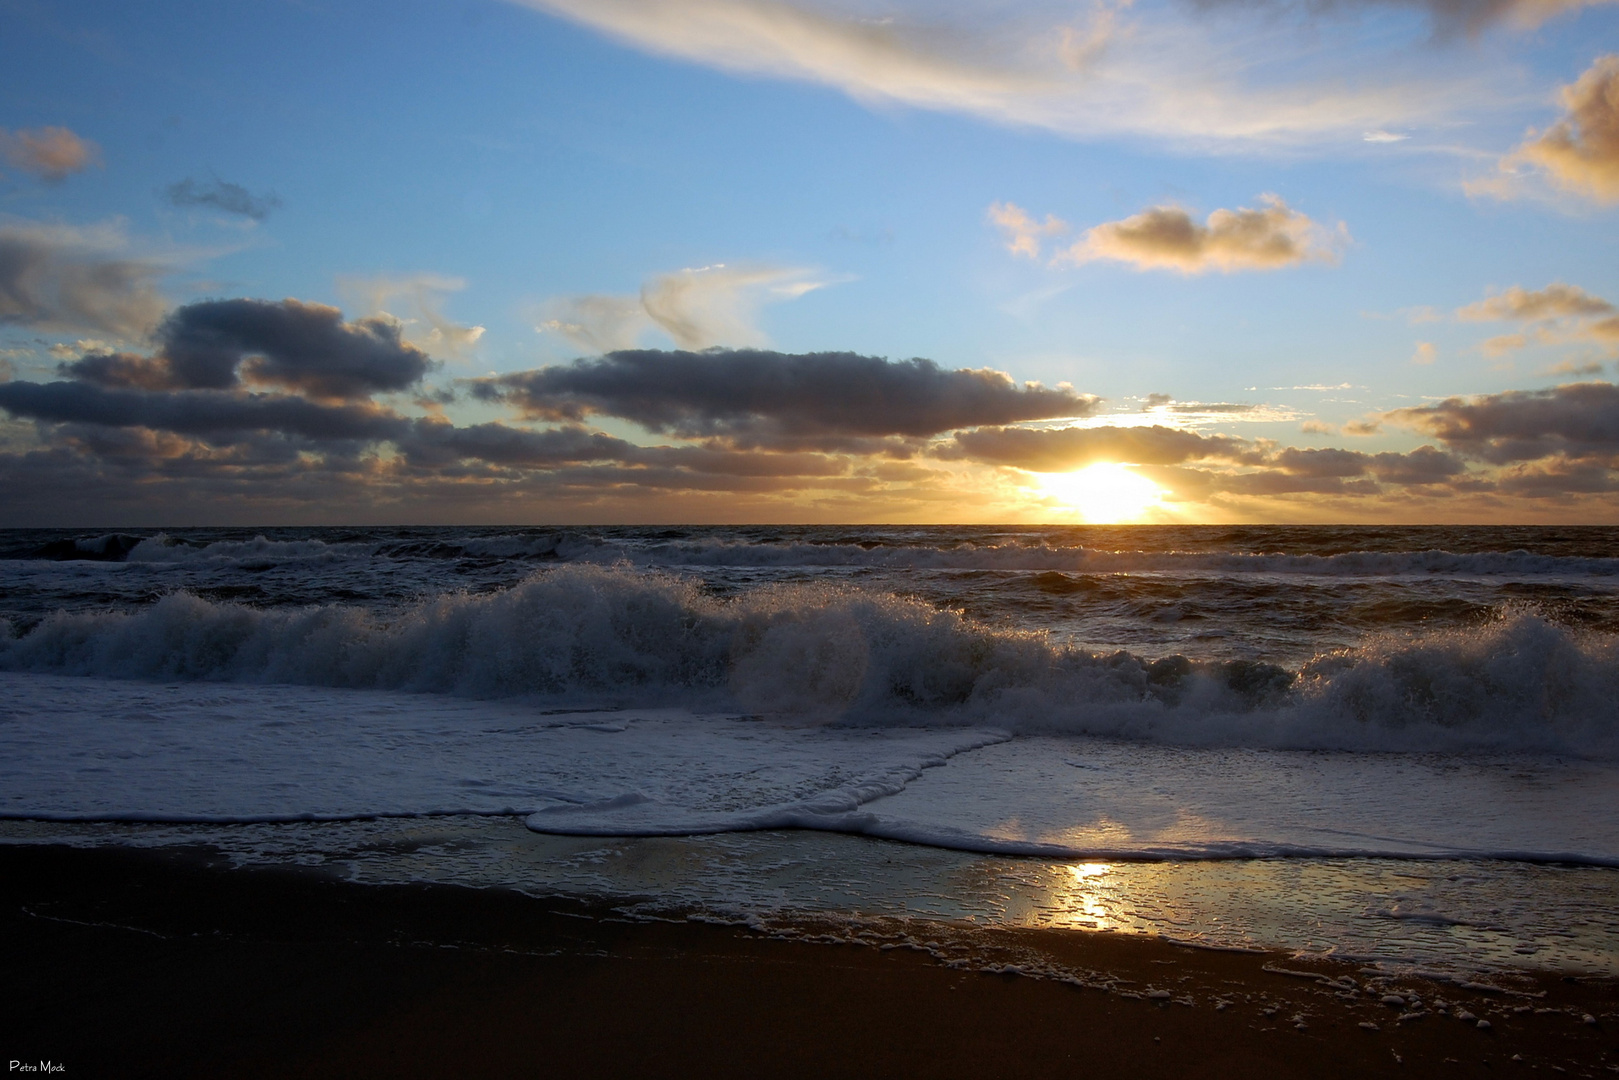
(591, 635)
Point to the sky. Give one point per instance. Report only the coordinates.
(648, 261)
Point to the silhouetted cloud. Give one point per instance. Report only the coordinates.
(210, 413)
(1579, 420)
(219, 344)
(1062, 449)
(50, 153)
(61, 278)
(754, 392)
(222, 195)
(1166, 237)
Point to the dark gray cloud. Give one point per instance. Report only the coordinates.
(758, 393)
(61, 278)
(1070, 448)
(1424, 465)
(219, 344)
(1579, 420)
(209, 414)
(222, 195)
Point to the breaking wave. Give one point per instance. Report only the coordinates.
(580, 634)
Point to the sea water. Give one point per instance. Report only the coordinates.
(1400, 744)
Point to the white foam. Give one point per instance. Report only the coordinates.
(108, 750)
(582, 635)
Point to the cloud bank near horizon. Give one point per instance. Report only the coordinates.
(287, 407)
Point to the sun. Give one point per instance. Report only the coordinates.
(1104, 493)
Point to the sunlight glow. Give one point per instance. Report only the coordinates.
(1105, 493)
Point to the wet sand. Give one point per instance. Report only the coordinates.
(122, 962)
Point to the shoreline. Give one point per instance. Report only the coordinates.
(165, 962)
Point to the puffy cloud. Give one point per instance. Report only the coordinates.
(754, 392)
(1023, 234)
(51, 153)
(1579, 420)
(1580, 152)
(61, 278)
(1099, 74)
(222, 195)
(1166, 237)
(298, 345)
(424, 296)
(699, 308)
(219, 344)
(1425, 353)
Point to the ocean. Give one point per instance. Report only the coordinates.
(1393, 745)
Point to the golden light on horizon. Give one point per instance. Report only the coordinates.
(1105, 493)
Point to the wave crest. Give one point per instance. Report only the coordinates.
(614, 635)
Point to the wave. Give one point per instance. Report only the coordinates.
(654, 552)
(582, 634)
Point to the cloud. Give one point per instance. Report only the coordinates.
(1062, 449)
(1426, 353)
(220, 344)
(1166, 237)
(1558, 314)
(699, 308)
(1579, 420)
(424, 296)
(50, 153)
(1469, 16)
(760, 393)
(1555, 301)
(1580, 153)
(209, 413)
(1098, 74)
(222, 195)
(62, 278)
(1023, 234)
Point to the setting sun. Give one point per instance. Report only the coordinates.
(1104, 493)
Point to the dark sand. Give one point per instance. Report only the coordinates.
(127, 963)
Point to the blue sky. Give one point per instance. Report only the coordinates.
(818, 176)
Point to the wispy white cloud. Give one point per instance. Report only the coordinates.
(1023, 234)
(698, 307)
(1234, 79)
(423, 297)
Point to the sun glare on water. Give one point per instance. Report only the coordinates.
(1104, 493)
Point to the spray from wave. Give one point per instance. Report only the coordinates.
(585, 634)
